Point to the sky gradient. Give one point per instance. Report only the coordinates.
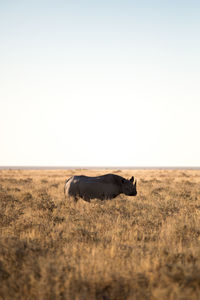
(100, 83)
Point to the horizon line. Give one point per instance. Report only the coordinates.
(99, 167)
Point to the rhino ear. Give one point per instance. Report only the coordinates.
(132, 179)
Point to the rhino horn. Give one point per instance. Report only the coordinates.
(132, 179)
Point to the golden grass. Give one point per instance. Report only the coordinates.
(143, 247)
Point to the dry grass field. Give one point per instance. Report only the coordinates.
(143, 247)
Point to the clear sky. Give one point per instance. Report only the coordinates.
(100, 83)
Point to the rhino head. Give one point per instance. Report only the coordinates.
(129, 187)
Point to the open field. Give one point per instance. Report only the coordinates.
(143, 247)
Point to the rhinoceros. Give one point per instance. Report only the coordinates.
(102, 187)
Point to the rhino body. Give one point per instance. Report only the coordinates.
(102, 187)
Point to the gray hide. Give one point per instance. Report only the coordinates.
(103, 187)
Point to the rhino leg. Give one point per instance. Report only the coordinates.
(75, 198)
(71, 199)
(85, 198)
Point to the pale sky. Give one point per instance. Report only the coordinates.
(100, 83)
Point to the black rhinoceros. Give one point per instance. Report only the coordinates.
(102, 187)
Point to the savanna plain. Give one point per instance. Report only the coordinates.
(143, 247)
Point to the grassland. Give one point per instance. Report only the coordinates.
(144, 247)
